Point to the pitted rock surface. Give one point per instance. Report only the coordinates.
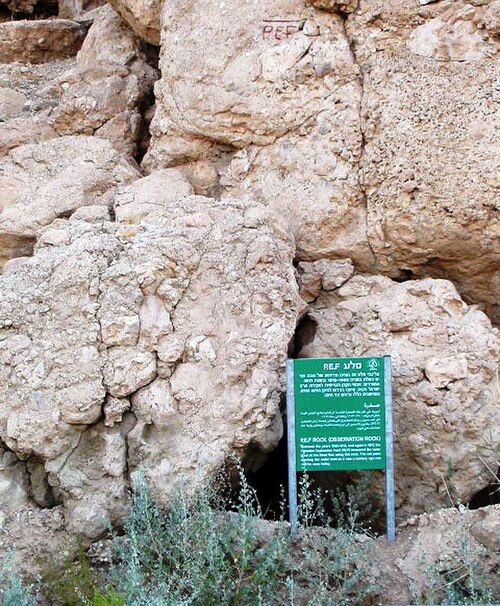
(186, 323)
(40, 40)
(445, 357)
(430, 165)
(354, 125)
(44, 181)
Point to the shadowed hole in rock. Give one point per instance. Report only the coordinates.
(65, 214)
(339, 492)
(490, 495)
(40, 490)
(5, 14)
(16, 246)
(341, 497)
(22, 10)
(405, 275)
(270, 480)
(147, 107)
(304, 334)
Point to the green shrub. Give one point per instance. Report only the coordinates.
(353, 506)
(109, 598)
(72, 582)
(12, 591)
(195, 554)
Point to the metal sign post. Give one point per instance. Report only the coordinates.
(292, 453)
(389, 453)
(339, 413)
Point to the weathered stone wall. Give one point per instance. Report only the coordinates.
(347, 148)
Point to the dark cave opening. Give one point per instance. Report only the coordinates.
(339, 493)
(270, 482)
(490, 495)
(27, 11)
(304, 334)
(148, 104)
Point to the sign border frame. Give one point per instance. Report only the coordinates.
(389, 446)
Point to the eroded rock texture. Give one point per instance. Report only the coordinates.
(104, 91)
(38, 41)
(445, 357)
(429, 546)
(175, 330)
(371, 128)
(290, 106)
(430, 165)
(42, 182)
(354, 139)
(143, 16)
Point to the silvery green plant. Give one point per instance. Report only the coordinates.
(12, 590)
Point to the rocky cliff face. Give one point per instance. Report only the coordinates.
(333, 158)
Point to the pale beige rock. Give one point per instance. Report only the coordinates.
(38, 535)
(453, 36)
(127, 370)
(352, 169)
(252, 79)
(445, 357)
(11, 103)
(323, 275)
(209, 294)
(27, 85)
(94, 495)
(14, 481)
(490, 19)
(23, 130)
(143, 16)
(103, 94)
(102, 101)
(345, 6)
(77, 9)
(42, 182)
(114, 408)
(291, 105)
(430, 154)
(40, 40)
(92, 214)
(111, 41)
(148, 200)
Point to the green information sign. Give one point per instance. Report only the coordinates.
(339, 417)
(339, 413)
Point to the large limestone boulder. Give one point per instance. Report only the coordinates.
(430, 164)
(274, 108)
(103, 94)
(445, 358)
(143, 16)
(41, 182)
(40, 40)
(155, 346)
(104, 91)
(368, 127)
